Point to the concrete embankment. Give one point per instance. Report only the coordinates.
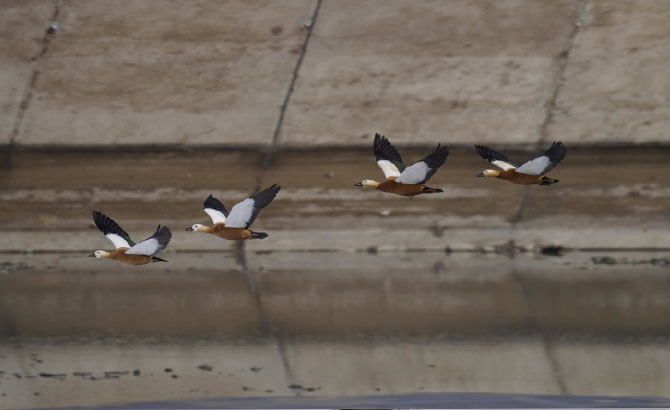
(614, 199)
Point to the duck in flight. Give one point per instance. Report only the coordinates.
(128, 251)
(401, 180)
(530, 173)
(235, 225)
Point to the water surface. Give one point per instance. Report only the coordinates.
(335, 326)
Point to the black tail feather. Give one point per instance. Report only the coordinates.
(548, 181)
(157, 259)
(258, 235)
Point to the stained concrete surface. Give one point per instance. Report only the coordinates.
(166, 72)
(22, 30)
(330, 73)
(613, 89)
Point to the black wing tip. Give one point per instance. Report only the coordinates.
(272, 189)
(491, 155)
(442, 148)
(384, 150)
(380, 144)
(212, 202)
(106, 224)
(556, 152)
(438, 157)
(98, 216)
(163, 235)
(483, 151)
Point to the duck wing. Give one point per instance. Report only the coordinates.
(546, 162)
(153, 244)
(112, 230)
(495, 158)
(421, 171)
(387, 157)
(243, 214)
(215, 209)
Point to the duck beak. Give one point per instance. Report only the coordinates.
(91, 255)
(189, 229)
(480, 175)
(358, 184)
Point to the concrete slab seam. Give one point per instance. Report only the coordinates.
(289, 91)
(562, 62)
(24, 105)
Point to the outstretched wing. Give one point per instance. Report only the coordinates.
(112, 230)
(495, 158)
(388, 158)
(545, 163)
(243, 214)
(153, 244)
(421, 171)
(215, 209)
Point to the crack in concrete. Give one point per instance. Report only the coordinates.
(265, 164)
(24, 105)
(240, 253)
(289, 92)
(562, 62)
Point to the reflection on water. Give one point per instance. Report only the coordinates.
(310, 324)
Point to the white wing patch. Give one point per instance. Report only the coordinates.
(217, 216)
(388, 168)
(241, 213)
(414, 174)
(502, 165)
(146, 247)
(535, 166)
(118, 241)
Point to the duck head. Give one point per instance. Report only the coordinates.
(368, 183)
(196, 228)
(489, 173)
(99, 254)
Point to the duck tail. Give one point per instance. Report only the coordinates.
(428, 190)
(548, 181)
(258, 235)
(157, 259)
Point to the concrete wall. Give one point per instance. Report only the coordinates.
(310, 72)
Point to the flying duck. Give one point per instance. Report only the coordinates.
(126, 250)
(530, 173)
(401, 180)
(235, 225)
